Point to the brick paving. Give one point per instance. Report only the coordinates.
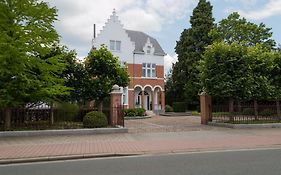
(166, 124)
(153, 140)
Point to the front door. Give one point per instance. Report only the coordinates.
(147, 104)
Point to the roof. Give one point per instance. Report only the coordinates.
(140, 40)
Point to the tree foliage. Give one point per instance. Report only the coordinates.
(103, 71)
(237, 72)
(190, 48)
(28, 69)
(239, 30)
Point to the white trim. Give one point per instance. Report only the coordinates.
(152, 89)
(158, 86)
(138, 86)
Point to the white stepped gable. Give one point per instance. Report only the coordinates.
(114, 31)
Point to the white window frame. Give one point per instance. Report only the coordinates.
(115, 45)
(149, 68)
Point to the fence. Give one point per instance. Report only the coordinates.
(264, 112)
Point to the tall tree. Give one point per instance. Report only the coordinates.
(237, 72)
(276, 80)
(190, 48)
(239, 30)
(27, 37)
(103, 71)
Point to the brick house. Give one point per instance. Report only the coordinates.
(144, 59)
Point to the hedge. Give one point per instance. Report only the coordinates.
(179, 106)
(134, 112)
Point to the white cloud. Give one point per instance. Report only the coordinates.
(272, 8)
(168, 62)
(76, 18)
(244, 2)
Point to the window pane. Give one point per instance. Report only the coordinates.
(143, 65)
(118, 45)
(112, 45)
(153, 65)
(148, 73)
(148, 65)
(153, 73)
(143, 72)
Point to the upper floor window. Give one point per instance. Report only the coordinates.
(148, 70)
(115, 45)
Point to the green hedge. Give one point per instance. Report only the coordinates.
(248, 111)
(267, 112)
(168, 108)
(134, 112)
(179, 106)
(95, 119)
(66, 112)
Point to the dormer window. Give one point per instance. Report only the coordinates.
(115, 45)
(148, 51)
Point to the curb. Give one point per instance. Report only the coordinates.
(137, 117)
(176, 114)
(63, 132)
(140, 153)
(68, 157)
(246, 126)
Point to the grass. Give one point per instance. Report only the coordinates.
(195, 113)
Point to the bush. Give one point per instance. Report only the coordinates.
(248, 111)
(267, 112)
(168, 108)
(134, 112)
(66, 112)
(95, 119)
(179, 106)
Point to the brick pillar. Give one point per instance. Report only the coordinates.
(116, 96)
(206, 108)
(152, 100)
(142, 99)
(131, 100)
(163, 100)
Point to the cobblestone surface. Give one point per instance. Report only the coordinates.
(157, 136)
(166, 124)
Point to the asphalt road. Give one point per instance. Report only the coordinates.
(250, 162)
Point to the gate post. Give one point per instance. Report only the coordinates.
(206, 108)
(115, 103)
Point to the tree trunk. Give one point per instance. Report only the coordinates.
(231, 105)
(8, 117)
(100, 106)
(256, 109)
(52, 114)
(278, 109)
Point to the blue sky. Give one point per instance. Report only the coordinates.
(162, 19)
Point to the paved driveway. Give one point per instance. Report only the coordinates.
(166, 124)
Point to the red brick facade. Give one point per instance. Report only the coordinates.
(150, 83)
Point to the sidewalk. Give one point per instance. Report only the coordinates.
(21, 149)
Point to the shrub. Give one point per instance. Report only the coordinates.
(248, 111)
(267, 112)
(66, 112)
(179, 106)
(134, 112)
(168, 108)
(95, 119)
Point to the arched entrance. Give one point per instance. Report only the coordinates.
(137, 97)
(147, 105)
(157, 100)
